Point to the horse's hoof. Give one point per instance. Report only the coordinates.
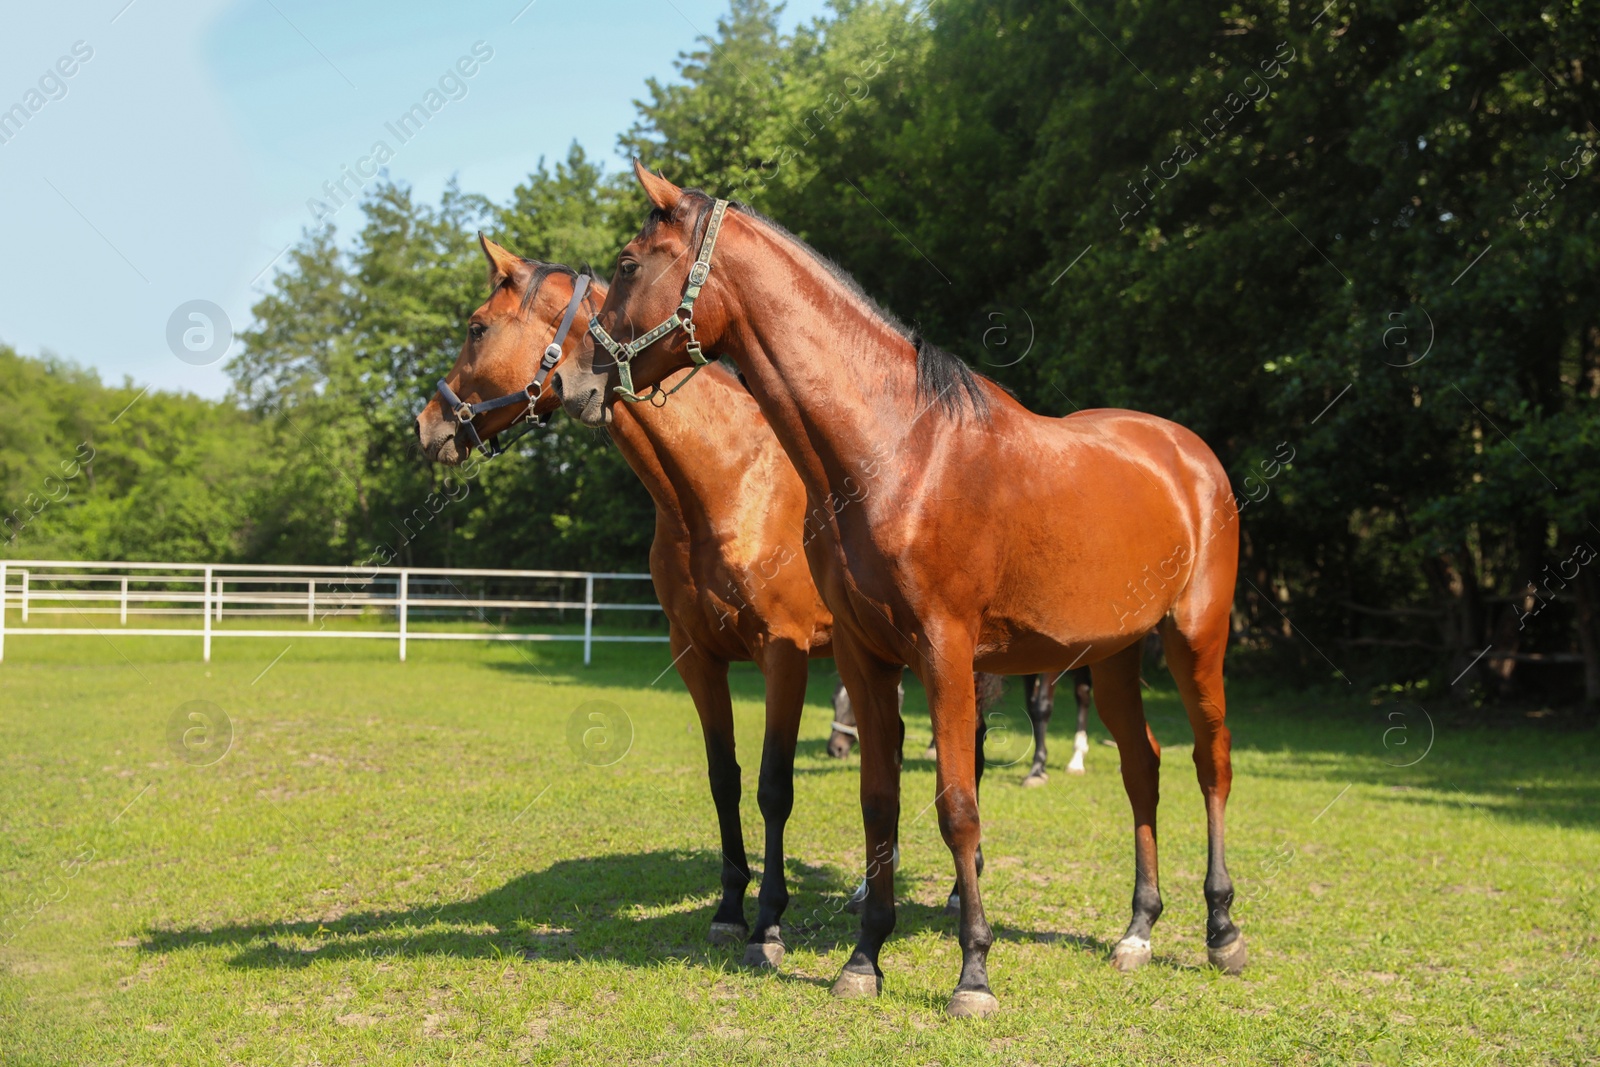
(952, 904)
(1074, 770)
(1230, 958)
(1130, 954)
(853, 986)
(763, 954)
(729, 933)
(971, 1004)
(1037, 778)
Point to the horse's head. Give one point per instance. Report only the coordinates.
(506, 338)
(842, 737)
(651, 285)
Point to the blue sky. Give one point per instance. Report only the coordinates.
(175, 162)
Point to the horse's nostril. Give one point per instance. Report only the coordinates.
(555, 385)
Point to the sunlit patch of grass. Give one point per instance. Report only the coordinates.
(409, 864)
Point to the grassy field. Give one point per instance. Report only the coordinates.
(368, 862)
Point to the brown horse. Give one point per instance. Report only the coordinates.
(729, 517)
(725, 561)
(938, 552)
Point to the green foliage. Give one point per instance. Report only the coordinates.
(1236, 217)
(1353, 248)
(347, 347)
(121, 473)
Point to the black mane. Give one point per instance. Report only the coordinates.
(943, 379)
(946, 380)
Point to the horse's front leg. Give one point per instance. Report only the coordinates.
(948, 678)
(707, 681)
(785, 665)
(987, 691)
(874, 688)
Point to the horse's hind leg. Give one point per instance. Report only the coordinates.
(1196, 663)
(1039, 694)
(785, 665)
(1116, 686)
(1080, 740)
(707, 682)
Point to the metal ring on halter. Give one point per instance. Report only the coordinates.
(535, 388)
(682, 318)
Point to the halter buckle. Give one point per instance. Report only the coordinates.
(464, 413)
(682, 318)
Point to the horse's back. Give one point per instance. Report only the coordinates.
(1097, 536)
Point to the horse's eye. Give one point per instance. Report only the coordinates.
(628, 268)
(477, 330)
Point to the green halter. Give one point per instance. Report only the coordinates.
(681, 318)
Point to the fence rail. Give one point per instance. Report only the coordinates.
(265, 591)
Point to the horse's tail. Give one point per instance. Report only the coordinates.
(988, 689)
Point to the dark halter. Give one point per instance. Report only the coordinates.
(460, 412)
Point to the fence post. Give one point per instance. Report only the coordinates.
(311, 601)
(219, 597)
(588, 617)
(2, 611)
(405, 610)
(206, 612)
(124, 619)
(24, 596)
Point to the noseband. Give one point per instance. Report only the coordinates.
(682, 318)
(462, 413)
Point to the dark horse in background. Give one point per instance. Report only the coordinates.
(1038, 696)
(726, 559)
(1125, 523)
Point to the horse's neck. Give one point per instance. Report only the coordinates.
(839, 388)
(685, 472)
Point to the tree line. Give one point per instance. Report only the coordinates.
(1353, 247)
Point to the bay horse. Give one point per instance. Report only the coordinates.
(729, 514)
(916, 460)
(730, 521)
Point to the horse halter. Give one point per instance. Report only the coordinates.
(460, 412)
(682, 318)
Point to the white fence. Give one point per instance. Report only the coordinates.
(367, 595)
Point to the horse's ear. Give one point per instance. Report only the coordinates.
(502, 264)
(662, 193)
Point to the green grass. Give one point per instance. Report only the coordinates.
(409, 864)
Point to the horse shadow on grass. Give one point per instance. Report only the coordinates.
(637, 909)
